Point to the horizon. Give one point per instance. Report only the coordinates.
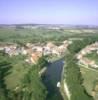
(66, 12)
(48, 24)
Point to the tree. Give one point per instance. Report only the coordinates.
(33, 88)
(4, 71)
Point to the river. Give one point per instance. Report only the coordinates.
(50, 79)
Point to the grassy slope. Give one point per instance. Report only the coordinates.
(89, 77)
(18, 70)
(93, 56)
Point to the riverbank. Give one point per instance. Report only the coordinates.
(62, 88)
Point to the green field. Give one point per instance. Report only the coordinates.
(19, 79)
(89, 76)
(17, 71)
(41, 35)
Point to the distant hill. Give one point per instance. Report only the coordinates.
(49, 26)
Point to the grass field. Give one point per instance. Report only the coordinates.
(89, 77)
(17, 72)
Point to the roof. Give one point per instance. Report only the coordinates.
(50, 44)
(35, 57)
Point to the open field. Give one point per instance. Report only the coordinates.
(41, 35)
(17, 72)
(89, 76)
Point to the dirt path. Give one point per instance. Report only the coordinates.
(88, 68)
(67, 90)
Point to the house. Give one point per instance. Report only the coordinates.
(55, 52)
(23, 51)
(29, 51)
(2, 47)
(82, 61)
(37, 49)
(61, 49)
(83, 52)
(87, 62)
(50, 45)
(50, 48)
(97, 51)
(47, 51)
(66, 41)
(79, 56)
(94, 66)
(35, 57)
(29, 45)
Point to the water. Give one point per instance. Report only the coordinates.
(50, 79)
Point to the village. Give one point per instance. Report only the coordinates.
(82, 60)
(35, 51)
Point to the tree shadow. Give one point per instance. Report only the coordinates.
(4, 71)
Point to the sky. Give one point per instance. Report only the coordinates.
(74, 12)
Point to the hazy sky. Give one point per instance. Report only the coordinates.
(49, 11)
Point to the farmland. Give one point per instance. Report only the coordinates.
(17, 35)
